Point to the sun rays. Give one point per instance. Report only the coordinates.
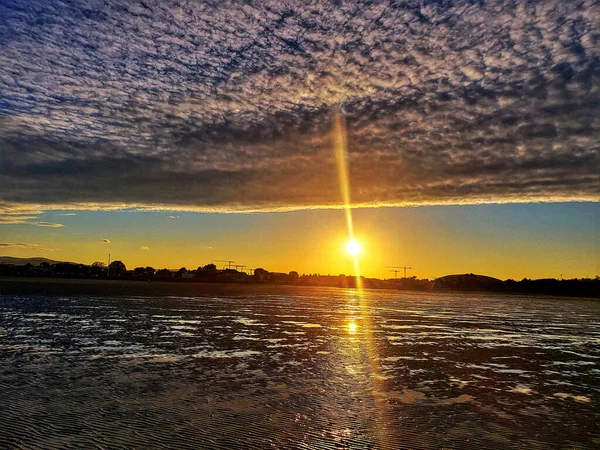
(341, 155)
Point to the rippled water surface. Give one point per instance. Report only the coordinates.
(250, 367)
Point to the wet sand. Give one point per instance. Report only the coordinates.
(286, 367)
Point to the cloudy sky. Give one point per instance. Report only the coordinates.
(227, 106)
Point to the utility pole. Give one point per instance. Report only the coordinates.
(108, 267)
(405, 268)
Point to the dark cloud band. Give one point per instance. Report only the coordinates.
(226, 106)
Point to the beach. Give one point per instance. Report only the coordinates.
(241, 366)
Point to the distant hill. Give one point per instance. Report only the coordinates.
(467, 282)
(22, 261)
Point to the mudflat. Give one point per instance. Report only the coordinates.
(288, 367)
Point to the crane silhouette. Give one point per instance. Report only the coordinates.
(228, 261)
(405, 268)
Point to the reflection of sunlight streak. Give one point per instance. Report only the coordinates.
(384, 435)
(366, 339)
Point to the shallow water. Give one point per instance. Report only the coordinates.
(299, 368)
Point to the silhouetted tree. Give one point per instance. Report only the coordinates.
(98, 269)
(117, 269)
(143, 272)
(209, 268)
(260, 274)
(180, 272)
(164, 273)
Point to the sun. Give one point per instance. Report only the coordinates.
(353, 247)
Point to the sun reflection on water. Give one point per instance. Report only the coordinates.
(352, 327)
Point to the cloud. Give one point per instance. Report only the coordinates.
(143, 247)
(66, 214)
(105, 241)
(15, 219)
(17, 244)
(49, 224)
(26, 245)
(11, 214)
(173, 217)
(222, 107)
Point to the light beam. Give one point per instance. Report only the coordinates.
(341, 156)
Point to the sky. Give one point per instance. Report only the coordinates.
(204, 130)
(505, 241)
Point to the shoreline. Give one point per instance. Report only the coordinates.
(104, 287)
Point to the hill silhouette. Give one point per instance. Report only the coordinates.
(467, 282)
(36, 261)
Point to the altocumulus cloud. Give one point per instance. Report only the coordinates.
(143, 247)
(105, 241)
(227, 105)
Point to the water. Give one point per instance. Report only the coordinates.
(251, 367)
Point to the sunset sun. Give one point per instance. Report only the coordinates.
(353, 247)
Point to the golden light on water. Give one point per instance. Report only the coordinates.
(352, 327)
